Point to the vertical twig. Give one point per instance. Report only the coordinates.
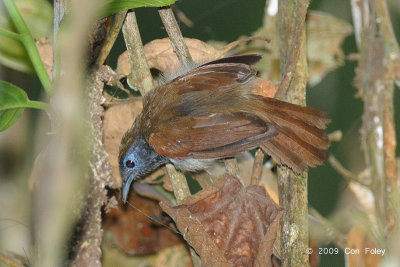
(117, 21)
(140, 76)
(290, 52)
(182, 52)
(184, 57)
(87, 249)
(178, 180)
(257, 167)
(175, 35)
(293, 187)
(62, 180)
(375, 81)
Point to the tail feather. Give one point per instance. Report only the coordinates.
(283, 156)
(301, 140)
(309, 115)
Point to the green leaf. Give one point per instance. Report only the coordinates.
(114, 6)
(13, 100)
(38, 17)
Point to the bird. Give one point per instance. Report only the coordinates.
(210, 113)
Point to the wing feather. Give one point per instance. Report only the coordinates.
(212, 136)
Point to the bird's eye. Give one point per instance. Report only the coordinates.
(130, 163)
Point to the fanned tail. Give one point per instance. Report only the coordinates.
(301, 140)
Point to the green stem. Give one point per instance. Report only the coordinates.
(27, 40)
(11, 35)
(30, 104)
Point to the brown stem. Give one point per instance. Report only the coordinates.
(115, 27)
(140, 77)
(179, 183)
(289, 50)
(257, 167)
(61, 171)
(375, 82)
(292, 186)
(178, 180)
(175, 36)
(346, 173)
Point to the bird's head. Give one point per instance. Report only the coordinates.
(136, 160)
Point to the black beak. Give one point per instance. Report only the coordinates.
(126, 186)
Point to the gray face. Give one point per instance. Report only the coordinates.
(138, 160)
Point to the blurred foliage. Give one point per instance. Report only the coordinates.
(13, 100)
(10, 97)
(38, 15)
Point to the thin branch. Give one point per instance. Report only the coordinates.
(375, 82)
(345, 172)
(178, 180)
(61, 169)
(232, 168)
(293, 187)
(175, 35)
(10, 34)
(140, 76)
(335, 136)
(289, 50)
(115, 27)
(392, 55)
(87, 248)
(257, 167)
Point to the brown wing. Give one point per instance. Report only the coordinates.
(212, 136)
(212, 78)
(204, 119)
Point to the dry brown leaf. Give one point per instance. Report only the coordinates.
(45, 49)
(265, 88)
(359, 246)
(228, 224)
(117, 120)
(204, 178)
(133, 232)
(325, 35)
(161, 56)
(268, 179)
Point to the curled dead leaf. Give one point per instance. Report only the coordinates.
(325, 35)
(228, 224)
(133, 232)
(161, 56)
(265, 88)
(45, 49)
